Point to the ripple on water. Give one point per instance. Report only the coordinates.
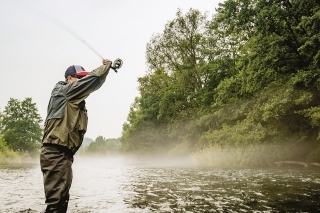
(114, 186)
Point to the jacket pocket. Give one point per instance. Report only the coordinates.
(83, 121)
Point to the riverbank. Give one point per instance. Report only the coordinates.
(18, 159)
(253, 156)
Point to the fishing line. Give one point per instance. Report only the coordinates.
(67, 29)
(116, 64)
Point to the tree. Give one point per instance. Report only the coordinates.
(178, 52)
(170, 91)
(20, 125)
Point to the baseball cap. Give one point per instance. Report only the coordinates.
(75, 70)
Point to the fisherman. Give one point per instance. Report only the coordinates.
(64, 129)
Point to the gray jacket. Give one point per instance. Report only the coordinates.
(66, 121)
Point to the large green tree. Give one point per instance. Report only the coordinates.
(20, 125)
(169, 93)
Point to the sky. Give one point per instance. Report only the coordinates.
(35, 52)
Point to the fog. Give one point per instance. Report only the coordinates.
(118, 184)
(245, 156)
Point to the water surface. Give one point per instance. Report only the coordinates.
(117, 185)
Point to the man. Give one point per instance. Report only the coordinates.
(64, 129)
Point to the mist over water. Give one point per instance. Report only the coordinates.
(121, 184)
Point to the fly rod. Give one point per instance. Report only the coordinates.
(116, 64)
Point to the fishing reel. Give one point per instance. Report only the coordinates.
(117, 64)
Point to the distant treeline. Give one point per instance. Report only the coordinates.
(102, 146)
(242, 85)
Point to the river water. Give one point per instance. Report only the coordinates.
(119, 185)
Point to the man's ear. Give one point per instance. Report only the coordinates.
(68, 78)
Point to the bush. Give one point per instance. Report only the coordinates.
(244, 156)
(6, 154)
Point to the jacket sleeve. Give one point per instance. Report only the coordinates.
(79, 90)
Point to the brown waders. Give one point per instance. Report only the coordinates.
(56, 166)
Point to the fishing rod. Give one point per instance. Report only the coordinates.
(116, 64)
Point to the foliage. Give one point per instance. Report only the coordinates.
(20, 126)
(252, 155)
(103, 146)
(248, 78)
(6, 154)
(170, 91)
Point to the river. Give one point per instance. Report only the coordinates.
(121, 185)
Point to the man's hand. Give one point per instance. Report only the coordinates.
(105, 61)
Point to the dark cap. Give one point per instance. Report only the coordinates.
(75, 70)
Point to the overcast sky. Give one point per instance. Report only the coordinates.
(35, 52)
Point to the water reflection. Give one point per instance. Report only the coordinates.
(114, 185)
